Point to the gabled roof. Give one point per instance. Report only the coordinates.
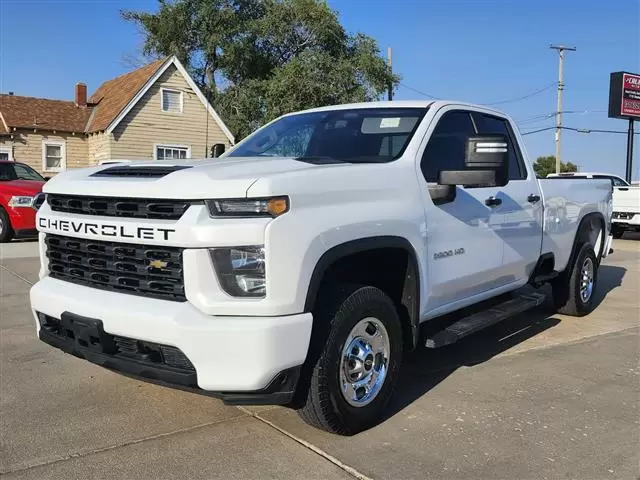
(114, 95)
(105, 108)
(152, 80)
(42, 113)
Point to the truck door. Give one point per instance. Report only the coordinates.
(464, 252)
(520, 211)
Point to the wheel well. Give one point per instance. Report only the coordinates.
(590, 230)
(389, 266)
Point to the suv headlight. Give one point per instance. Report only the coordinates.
(248, 207)
(19, 201)
(241, 270)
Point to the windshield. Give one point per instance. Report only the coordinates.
(354, 135)
(18, 171)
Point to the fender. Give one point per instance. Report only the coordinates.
(411, 289)
(580, 238)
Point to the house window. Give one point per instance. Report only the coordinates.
(6, 154)
(172, 152)
(53, 156)
(171, 101)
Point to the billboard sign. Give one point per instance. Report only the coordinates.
(624, 95)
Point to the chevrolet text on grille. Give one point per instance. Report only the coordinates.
(105, 229)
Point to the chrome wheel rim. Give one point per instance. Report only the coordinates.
(586, 280)
(364, 362)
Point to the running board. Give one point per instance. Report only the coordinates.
(486, 318)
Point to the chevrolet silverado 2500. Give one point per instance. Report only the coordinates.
(298, 268)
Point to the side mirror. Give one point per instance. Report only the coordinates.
(486, 164)
(217, 150)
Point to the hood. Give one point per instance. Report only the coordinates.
(193, 179)
(28, 188)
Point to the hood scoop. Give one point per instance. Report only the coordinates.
(139, 171)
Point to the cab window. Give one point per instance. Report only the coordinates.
(447, 145)
(487, 125)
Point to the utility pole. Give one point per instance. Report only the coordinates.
(390, 73)
(629, 173)
(561, 49)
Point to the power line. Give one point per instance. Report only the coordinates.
(551, 114)
(579, 130)
(524, 97)
(538, 131)
(417, 91)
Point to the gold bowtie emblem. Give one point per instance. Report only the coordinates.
(158, 264)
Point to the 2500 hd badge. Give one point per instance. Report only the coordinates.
(105, 229)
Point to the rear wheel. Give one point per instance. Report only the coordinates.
(574, 289)
(6, 231)
(354, 371)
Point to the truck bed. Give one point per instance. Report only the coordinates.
(565, 203)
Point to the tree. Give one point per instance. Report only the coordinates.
(258, 59)
(543, 166)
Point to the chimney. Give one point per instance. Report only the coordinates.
(81, 95)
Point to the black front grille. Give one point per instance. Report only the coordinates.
(623, 215)
(144, 270)
(157, 209)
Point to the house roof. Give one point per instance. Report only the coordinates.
(105, 108)
(114, 95)
(42, 113)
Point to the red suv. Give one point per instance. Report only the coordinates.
(20, 197)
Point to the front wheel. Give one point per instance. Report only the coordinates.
(355, 370)
(574, 290)
(6, 231)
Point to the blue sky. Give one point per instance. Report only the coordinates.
(479, 51)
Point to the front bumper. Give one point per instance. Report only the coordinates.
(626, 219)
(241, 359)
(23, 219)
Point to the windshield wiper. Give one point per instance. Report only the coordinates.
(325, 160)
(319, 160)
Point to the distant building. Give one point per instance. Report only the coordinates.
(154, 112)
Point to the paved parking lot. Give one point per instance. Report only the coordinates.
(536, 397)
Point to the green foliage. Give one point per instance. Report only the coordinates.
(258, 59)
(543, 166)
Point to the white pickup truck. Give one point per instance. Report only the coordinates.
(626, 200)
(298, 268)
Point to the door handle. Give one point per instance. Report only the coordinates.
(493, 201)
(533, 198)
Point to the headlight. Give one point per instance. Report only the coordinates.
(20, 201)
(240, 270)
(248, 207)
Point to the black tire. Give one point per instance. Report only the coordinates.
(341, 310)
(617, 232)
(567, 295)
(6, 231)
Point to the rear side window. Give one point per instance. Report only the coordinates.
(617, 182)
(487, 125)
(447, 145)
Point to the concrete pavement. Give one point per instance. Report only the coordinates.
(535, 397)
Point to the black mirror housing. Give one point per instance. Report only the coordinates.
(469, 178)
(490, 152)
(486, 163)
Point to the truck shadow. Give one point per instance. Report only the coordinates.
(425, 368)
